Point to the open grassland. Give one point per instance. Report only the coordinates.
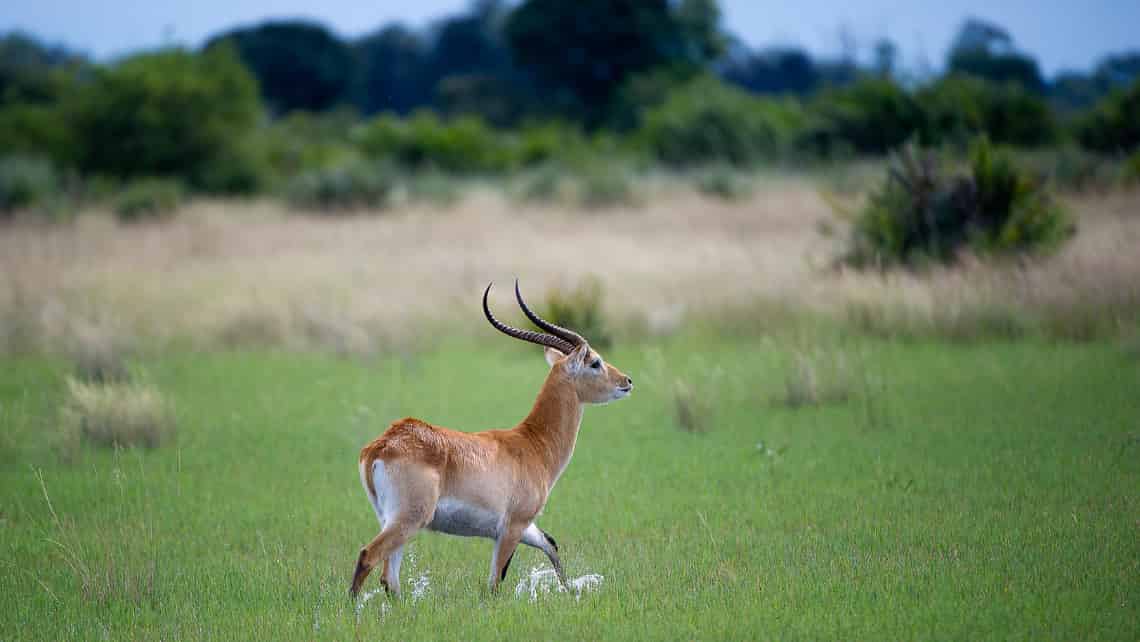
(951, 492)
(237, 274)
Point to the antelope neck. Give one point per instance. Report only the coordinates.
(553, 423)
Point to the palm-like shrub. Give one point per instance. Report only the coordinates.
(920, 213)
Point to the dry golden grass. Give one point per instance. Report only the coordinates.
(116, 415)
(236, 273)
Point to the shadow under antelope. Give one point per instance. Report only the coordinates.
(490, 484)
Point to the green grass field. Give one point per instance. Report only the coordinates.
(958, 492)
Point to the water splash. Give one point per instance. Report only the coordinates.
(545, 581)
(384, 607)
(419, 586)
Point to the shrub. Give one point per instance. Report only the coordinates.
(357, 185)
(99, 358)
(462, 145)
(1130, 173)
(580, 309)
(1114, 124)
(543, 184)
(692, 408)
(1072, 168)
(723, 182)
(870, 116)
(918, 214)
(540, 144)
(814, 381)
(708, 122)
(36, 130)
(171, 113)
(26, 182)
(148, 199)
(117, 415)
(434, 188)
(605, 186)
(302, 141)
(959, 108)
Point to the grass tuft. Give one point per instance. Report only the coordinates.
(149, 198)
(99, 357)
(606, 187)
(692, 408)
(116, 415)
(816, 380)
(723, 182)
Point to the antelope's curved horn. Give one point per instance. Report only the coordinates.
(562, 333)
(539, 338)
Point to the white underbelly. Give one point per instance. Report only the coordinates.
(456, 517)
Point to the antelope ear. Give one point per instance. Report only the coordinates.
(579, 356)
(553, 356)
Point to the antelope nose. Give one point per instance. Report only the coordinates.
(628, 382)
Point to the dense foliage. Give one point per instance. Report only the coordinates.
(299, 65)
(502, 86)
(920, 213)
(958, 108)
(708, 121)
(172, 113)
(1114, 124)
(871, 116)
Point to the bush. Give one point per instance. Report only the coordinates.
(302, 141)
(917, 214)
(149, 198)
(1130, 173)
(118, 415)
(816, 380)
(434, 188)
(36, 130)
(99, 357)
(871, 116)
(462, 145)
(709, 122)
(1113, 126)
(959, 108)
(723, 182)
(540, 144)
(172, 113)
(601, 187)
(692, 408)
(1072, 168)
(357, 185)
(580, 310)
(26, 182)
(542, 185)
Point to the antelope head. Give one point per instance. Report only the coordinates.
(569, 355)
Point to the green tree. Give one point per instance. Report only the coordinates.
(171, 113)
(986, 50)
(958, 108)
(584, 51)
(391, 71)
(871, 116)
(777, 70)
(1113, 126)
(35, 79)
(707, 121)
(299, 65)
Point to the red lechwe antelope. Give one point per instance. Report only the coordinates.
(489, 484)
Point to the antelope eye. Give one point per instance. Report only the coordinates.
(596, 364)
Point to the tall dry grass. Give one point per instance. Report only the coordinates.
(235, 273)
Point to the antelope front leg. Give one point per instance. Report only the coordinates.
(540, 539)
(504, 551)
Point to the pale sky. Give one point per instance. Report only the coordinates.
(1062, 35)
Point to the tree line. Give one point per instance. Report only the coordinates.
(499, 86)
